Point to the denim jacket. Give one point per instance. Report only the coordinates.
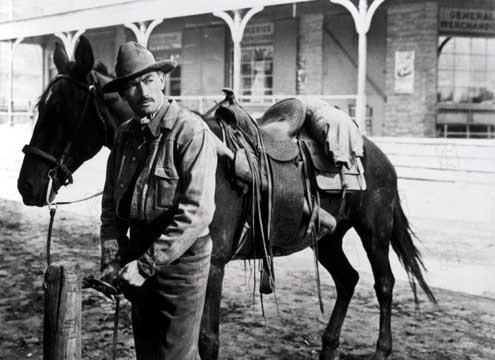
(176, 187)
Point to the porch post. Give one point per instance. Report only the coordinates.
(10, 105)
(69, 40)
(236, 25)
(362, 20)
(142, 31)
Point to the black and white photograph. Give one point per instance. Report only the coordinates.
(247, 180)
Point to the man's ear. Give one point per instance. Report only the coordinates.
(162, 77)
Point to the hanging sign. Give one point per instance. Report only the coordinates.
(467, 21)
(165, 41)
(258, 33)
(404, 72)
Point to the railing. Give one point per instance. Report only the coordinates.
(441, 160)
(257, 105)
(21, 110)
(483, 131)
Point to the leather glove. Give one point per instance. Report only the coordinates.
(110, 273)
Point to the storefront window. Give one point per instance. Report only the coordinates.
(257, 71)
(166, 46)
(257, 62)
(466, 70)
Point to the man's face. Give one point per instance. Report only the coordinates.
(144, 93)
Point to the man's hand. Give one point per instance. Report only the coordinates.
(130, 275)
(110, 273)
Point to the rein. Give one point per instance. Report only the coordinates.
(60, 163)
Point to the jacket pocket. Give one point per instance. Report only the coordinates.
(167, 181)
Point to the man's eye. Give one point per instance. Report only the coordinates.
(130, 86)
(148, 81)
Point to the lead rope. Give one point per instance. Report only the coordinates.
(52, 206)
(116, 327)
(49, 236)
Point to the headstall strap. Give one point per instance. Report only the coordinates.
(60, 164)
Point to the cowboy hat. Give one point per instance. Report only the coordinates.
(134, 60)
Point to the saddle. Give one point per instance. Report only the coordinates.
(293, 165)
(290, 121)
(288, 169)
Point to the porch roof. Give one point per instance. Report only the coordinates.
(91, 14)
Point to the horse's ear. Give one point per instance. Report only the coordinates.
(60, 58)
(84, 56)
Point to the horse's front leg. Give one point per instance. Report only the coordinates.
(209, 341)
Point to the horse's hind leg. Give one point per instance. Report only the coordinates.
(375, 230)
(332, 257)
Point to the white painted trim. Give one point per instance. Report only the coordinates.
(237, 25)
(138, 31)
(143, 32)
(371, 12)
(362, 19)
(246, 18)
(69, 41)
(353, 10)
(151, 27)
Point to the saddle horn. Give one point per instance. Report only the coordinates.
(229, 96)
(229, 99)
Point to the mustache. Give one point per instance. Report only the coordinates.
(145, 99)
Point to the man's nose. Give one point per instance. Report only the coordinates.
(143, 89)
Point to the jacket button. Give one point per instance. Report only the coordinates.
(133, 158)
(121, 185)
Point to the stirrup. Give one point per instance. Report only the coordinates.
(266, 285)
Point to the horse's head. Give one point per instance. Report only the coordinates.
(73, 124)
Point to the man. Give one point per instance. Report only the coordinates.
(160, 185)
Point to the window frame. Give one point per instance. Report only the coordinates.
(452, 78)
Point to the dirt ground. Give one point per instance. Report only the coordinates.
(461, 327)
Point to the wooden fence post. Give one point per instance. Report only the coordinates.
(62, 323)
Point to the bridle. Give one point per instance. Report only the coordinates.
(60, 163)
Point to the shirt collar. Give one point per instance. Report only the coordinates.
(165, 117)
(170, 116)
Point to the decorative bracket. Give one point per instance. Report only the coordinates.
(142, 31)
(69, 40)
(362, 16)
(237, 25)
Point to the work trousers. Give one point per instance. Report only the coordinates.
(167, 308)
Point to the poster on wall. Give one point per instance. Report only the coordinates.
(404, 72)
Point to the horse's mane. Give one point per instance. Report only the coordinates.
(101, 68)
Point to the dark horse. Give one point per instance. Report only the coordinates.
(76, 120)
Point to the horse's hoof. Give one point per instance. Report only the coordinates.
(330, 354)
(380, 355)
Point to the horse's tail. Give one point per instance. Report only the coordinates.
(409, 256)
